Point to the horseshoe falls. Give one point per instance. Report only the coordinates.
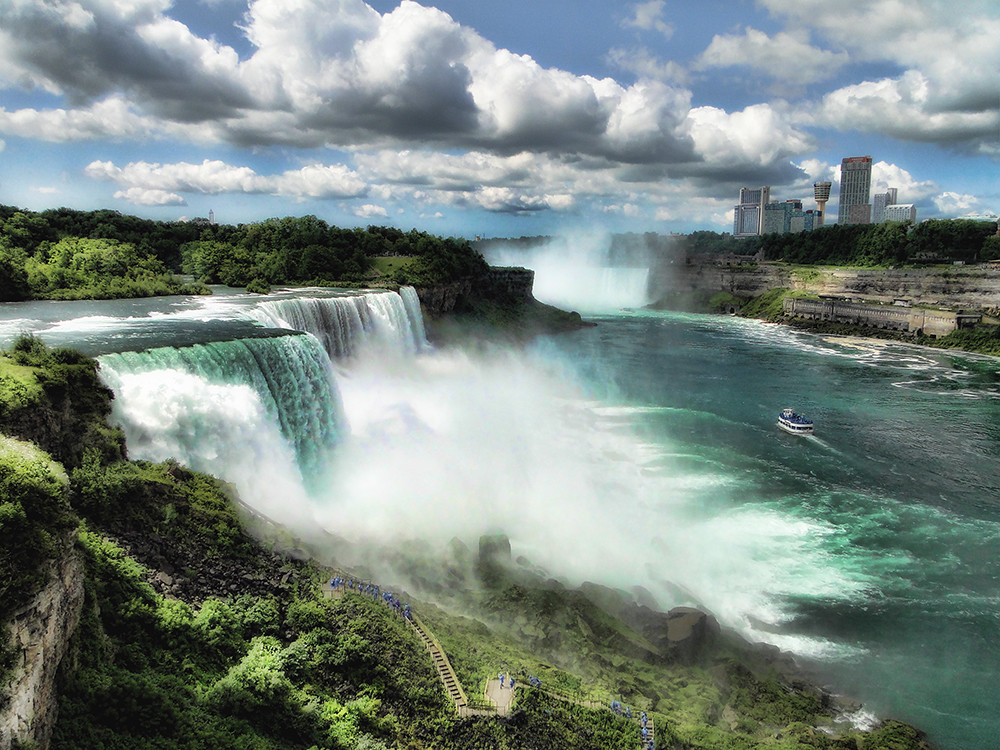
(640, 452)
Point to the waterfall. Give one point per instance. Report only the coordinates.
(346, 325)
(584, 274)
(264, 414)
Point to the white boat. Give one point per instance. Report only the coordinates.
(794, 423)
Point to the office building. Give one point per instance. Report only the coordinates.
(782, 218)
(879, 203)
(900, 212)
(748, 214)
(855, 190)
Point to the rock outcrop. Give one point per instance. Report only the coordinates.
(40, 633)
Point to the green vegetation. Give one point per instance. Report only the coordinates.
(869, 245)
(56, 400)
(65, 254)
(34, 519)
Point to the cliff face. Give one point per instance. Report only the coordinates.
(40, 633)
(962, 286)
(507, 284)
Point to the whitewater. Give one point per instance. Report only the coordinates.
(642, 452)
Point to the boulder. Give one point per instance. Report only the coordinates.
(689, 633)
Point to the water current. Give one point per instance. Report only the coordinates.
(642, 451)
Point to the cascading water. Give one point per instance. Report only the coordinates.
(264, 414)
(581, 274)
(346, 325)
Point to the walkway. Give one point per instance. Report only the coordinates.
(500, 697)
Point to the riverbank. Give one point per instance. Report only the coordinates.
(760, 290)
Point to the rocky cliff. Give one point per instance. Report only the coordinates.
(40, 633)
(513, 285)
(967, 287)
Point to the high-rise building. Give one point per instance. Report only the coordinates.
(748, 214)
(900, 212)
(821, 192)
(781, 218)
(855, 190)
(879, 203)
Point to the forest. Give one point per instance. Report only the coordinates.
(889, 244)
(67, 254)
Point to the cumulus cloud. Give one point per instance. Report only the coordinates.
(150, 197)
(369, 211)
(145, 181)
(321, 73)
(111, 118)
(911, 190)
(904, 107)
(957, 204)
(756, 136)
(643, 63)
(649, 16)
(786, 56)
(946, 91)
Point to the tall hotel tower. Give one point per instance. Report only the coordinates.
(821, 192)
(855, 190)
(748, 214)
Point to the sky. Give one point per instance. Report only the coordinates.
(500, 119)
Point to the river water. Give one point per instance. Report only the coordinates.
(642, 451)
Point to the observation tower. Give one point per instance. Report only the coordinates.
(821, 191)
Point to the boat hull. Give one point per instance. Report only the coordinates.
(796, 429)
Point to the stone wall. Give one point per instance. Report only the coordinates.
(40, 632)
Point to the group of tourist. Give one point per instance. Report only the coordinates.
(372, 590)
(648, 743)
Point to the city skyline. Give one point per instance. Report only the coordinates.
(481, 119)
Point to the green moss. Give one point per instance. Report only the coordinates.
(34, 519)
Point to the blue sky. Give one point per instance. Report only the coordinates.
(471, 117)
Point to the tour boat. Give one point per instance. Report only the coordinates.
(794, 423)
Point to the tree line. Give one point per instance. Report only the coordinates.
(888, 244)
(64, 253)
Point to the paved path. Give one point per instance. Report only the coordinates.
(501, 697)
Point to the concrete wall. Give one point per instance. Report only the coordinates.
(930, 322)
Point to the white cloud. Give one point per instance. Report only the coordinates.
(45, 190)
(911, 190)
(757, 135)
(957, 204)
(213, 177)
(150, 197)
(903, 107)
(947, 92)
(110, 118)
(786, 56)
(369, 210)
(649, 17)
(643, 63)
